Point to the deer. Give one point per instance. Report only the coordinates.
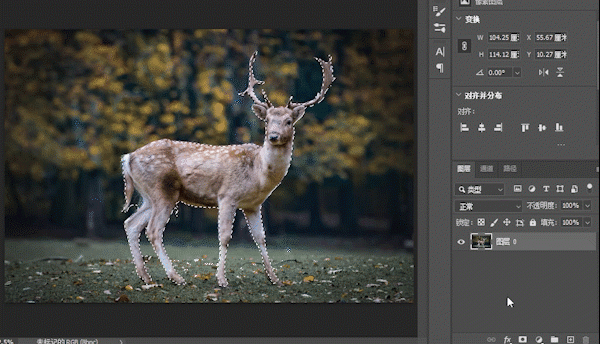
(167, 172)
(481, 242)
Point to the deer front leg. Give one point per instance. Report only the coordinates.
(134, 226)
(226, 218)
(257, 230)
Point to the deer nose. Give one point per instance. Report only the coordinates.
(273, 137)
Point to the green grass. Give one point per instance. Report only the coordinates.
(314, 270)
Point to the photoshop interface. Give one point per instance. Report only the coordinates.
(506, 218)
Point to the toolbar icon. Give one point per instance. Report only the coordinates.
(464, 46)
(481, 127)
(518, 188)
(522, 339)
(440, 51)
(531, 188)
(560, 188)
(546, 188)
(570, 339)
(574, 188)
(438, 13)
(439, 27)
(559, 128)
(463, 127)
(524, 127)
(498, 127)
(541, 127)
(440, 67)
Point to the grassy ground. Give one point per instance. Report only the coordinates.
(312, 269)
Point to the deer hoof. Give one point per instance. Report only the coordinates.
(147, 280)
(143, 275)
(223, 282)
(177, 279)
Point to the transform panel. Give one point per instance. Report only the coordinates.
(524, 90)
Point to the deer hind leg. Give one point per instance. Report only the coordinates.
(134, 226)
(226, 218)
(158, 220)
(258, 233)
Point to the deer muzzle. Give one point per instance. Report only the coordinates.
(274, 137)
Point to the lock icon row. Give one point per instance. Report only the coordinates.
(532, 223)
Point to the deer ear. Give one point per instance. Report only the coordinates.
(260, 111)
(297, 113)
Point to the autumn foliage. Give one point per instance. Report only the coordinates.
(77, 100)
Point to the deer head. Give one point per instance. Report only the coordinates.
(280, 120)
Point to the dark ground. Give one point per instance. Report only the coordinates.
(313, 270)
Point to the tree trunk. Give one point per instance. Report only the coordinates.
(193, 219)
(408, 199)
(94, 215)
(347, 206)
(64, 210)
(314, 207)
(266, 218)
(11, 188)
(394, 205)
(401, 200)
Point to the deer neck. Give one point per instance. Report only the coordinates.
(275, 161)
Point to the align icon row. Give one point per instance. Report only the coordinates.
(499, 127)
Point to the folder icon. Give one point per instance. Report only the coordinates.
(553, 339)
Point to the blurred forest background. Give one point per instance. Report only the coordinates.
(78, 100)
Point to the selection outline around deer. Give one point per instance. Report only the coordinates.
(231, 177)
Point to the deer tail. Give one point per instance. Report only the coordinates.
(128, 181)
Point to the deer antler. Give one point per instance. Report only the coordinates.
(328, 78)
(252, 81)
(266, 98)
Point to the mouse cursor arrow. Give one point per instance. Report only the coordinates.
(509, 302)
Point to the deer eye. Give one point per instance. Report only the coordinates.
(288, 122)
